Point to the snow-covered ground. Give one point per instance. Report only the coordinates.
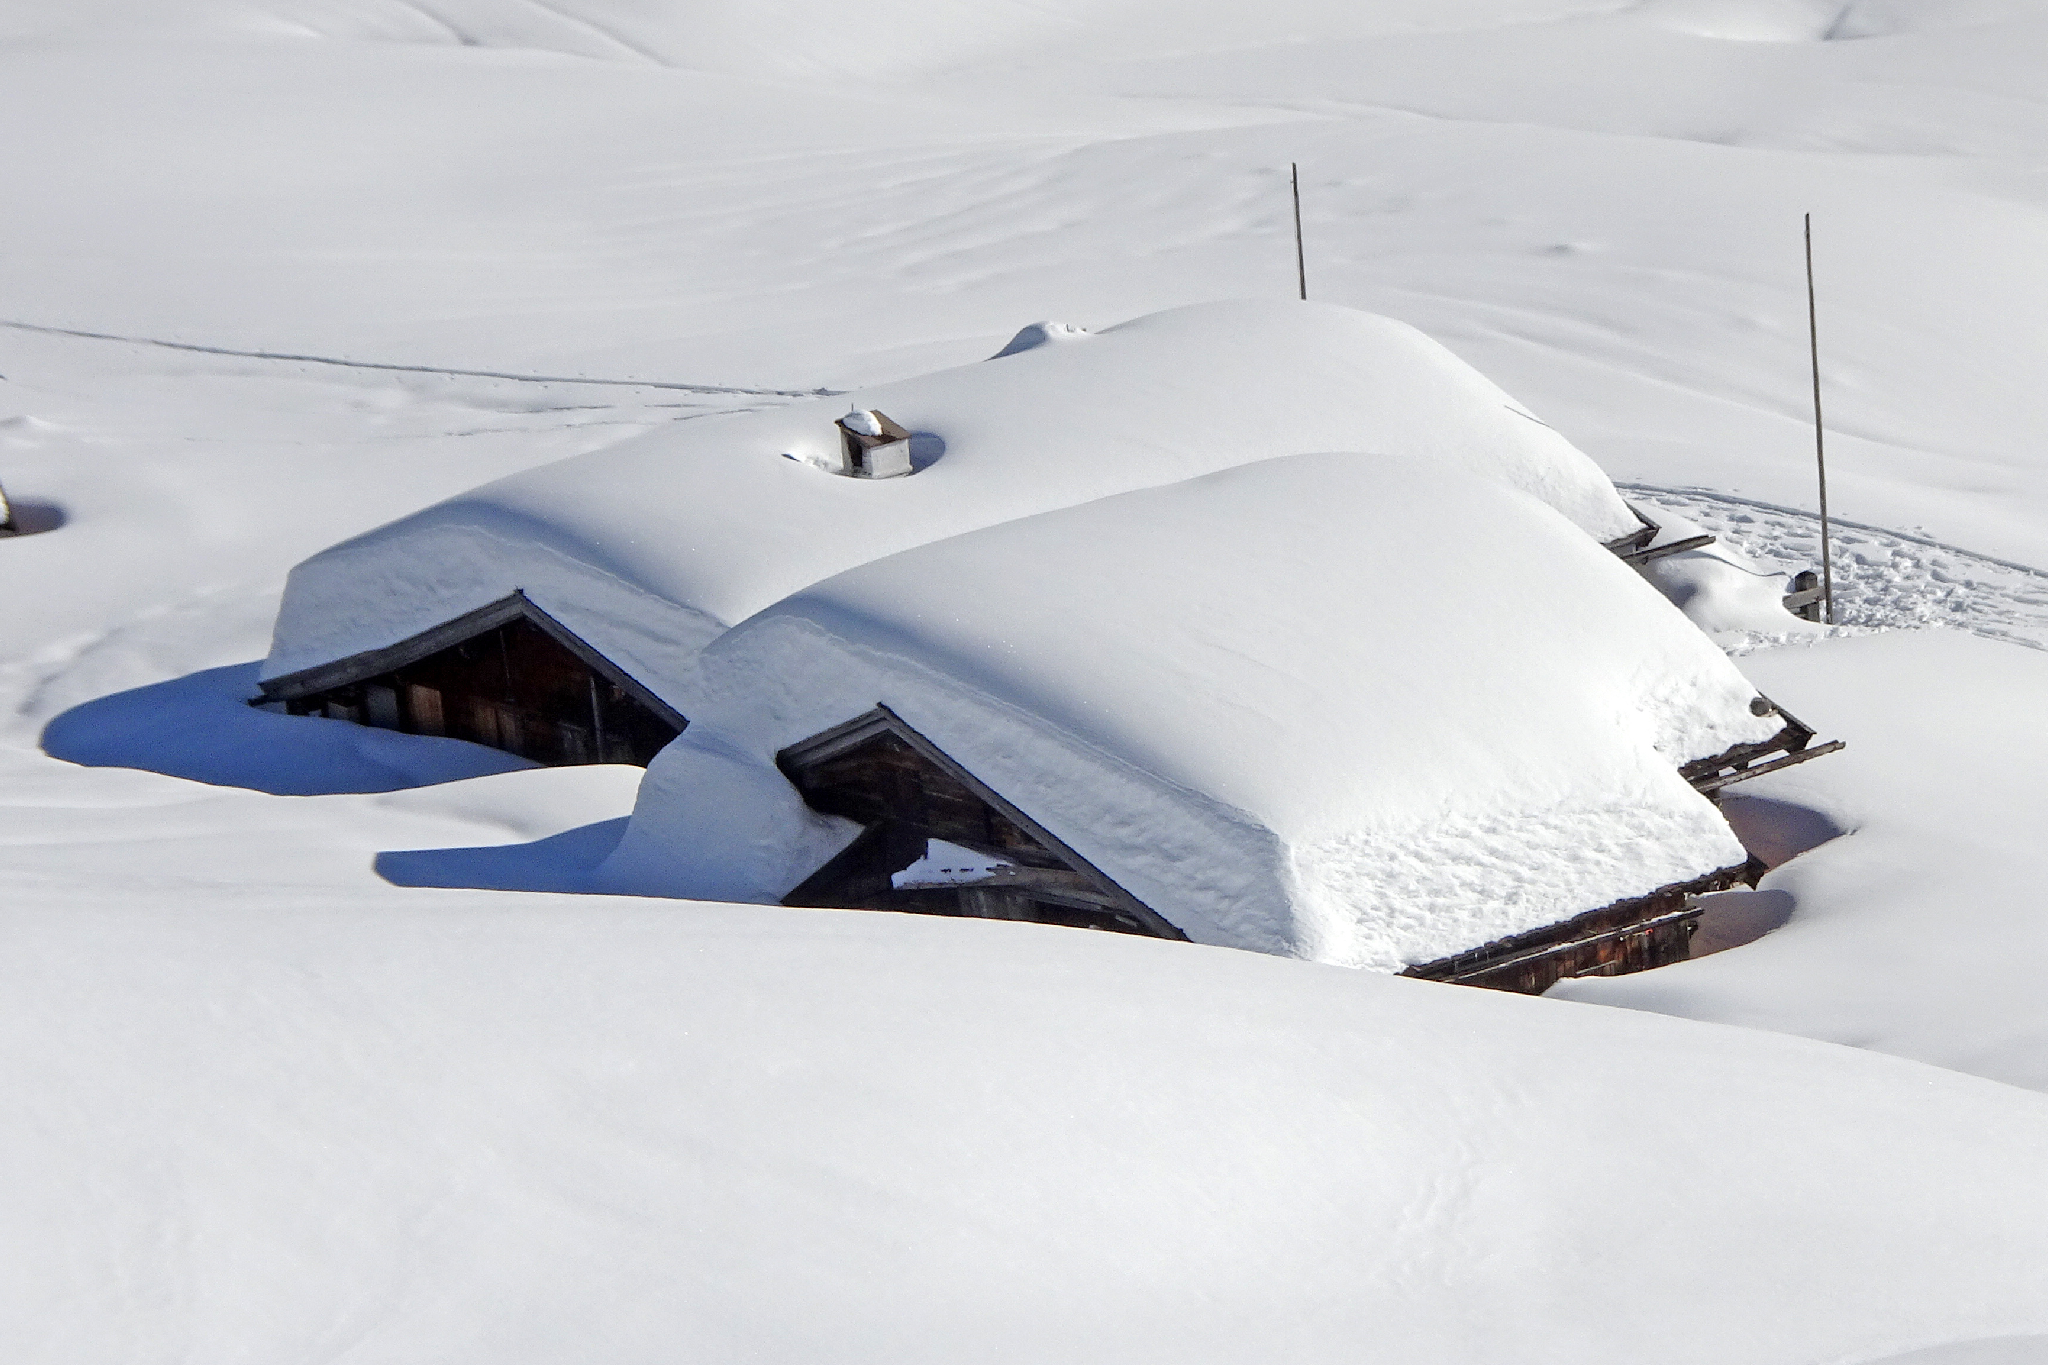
(276, 1091)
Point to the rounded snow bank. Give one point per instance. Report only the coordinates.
(649, 549)
(1036, 334)
(1361, 709)
(520, 1131)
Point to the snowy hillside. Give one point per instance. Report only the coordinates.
(477, 1132)
(314, 1046)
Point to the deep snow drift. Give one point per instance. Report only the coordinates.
(1366, 710)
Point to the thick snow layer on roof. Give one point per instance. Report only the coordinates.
(1286, 705)
(649, 549)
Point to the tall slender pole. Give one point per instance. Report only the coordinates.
(1820, 454)
(1300, 261)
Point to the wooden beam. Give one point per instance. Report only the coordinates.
(1640, 557)
(1637, 539)
(371, 662)
(1713, 784)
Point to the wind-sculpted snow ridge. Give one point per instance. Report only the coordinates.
(1883, 578)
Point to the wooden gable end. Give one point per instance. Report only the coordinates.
(913, 798)
(507, 675)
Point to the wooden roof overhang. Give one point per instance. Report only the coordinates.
(517, 606)
(1078, 879)
(1630, 935)
(1740, 762)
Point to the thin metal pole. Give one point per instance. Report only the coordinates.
(1300, 261)
(1820, 454)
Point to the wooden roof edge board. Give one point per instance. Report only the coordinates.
(1804, 732)
(1655, 552)
(1792, 738)
(1636, 539)
(831, 743)
(372, 662)
(1566, 945)
(1574, 931)
(1715, 783)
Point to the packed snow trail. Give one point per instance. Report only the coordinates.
(1884, 578)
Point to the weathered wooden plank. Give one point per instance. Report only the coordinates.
(1641, 557)
(1758, 770)
(1533, 961)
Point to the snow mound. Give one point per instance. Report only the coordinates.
(1361, 709)
(1722, 590)
(650, 548)
(1746, 21)
(1040, 334)
(497, 1132)
(862, 422)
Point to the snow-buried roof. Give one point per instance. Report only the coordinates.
(1301, 706)
(649, 549)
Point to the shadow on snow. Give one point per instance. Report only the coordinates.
(200, 728)
(561, 862)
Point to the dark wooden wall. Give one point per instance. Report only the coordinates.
(513, 687)
(905, 799)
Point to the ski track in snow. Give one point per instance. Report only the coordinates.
(1884, 579)
(414, 369)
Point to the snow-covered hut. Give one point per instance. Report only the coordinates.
(558, 613)
(1113, 653)
(1275, 708)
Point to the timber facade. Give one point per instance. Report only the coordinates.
(878, 771)
(507, 675)
(912, 797)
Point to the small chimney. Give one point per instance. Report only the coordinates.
(876, 448)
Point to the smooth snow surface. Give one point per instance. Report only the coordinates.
(1914, 861)
(521, 1133)
(1277, 704)
(280, 272)
(650, 548)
